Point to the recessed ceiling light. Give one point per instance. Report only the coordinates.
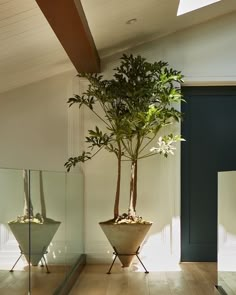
(131, 21)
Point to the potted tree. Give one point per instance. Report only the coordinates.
(137, 103)
(33, 232)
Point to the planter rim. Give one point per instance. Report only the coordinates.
(135, 223)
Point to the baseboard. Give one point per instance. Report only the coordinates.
(72, 277)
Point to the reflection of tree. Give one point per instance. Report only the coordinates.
(28, 207)
(42, 197)
(42, 217)
(41, 230)
(28, 214)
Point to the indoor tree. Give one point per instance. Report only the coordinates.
(137, 103)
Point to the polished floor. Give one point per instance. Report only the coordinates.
(37, 280)
(189, 279)
(186, 279)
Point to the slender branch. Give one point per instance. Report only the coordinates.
(141, 140)
(100, 118)
(127, 158)
(103, 106)
(106, 109)
(147, 156)
(130, 152)
(129, 145)
(97, 152)
(147, 143)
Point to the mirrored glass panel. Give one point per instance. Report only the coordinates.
(41, 230)
(47, 231)
(74, 217)
(14, 267)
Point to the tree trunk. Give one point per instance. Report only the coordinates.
(117, 198)
(133, 189)
(133, 181)
(42, 198)
(28, 207)
(135, 185)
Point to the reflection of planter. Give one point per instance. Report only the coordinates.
(34, 238)
(125, 238)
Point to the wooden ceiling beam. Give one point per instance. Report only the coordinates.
(70, 25)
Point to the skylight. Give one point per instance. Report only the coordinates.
(186, 6)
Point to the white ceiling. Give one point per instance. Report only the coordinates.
(29, 50)
(155, 18)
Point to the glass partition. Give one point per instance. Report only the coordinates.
(12, 205)
(227, 232)
(74, 217)
(41, 230)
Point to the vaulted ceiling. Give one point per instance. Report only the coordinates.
(155, 18)
(30, 49)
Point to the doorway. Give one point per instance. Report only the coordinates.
(209, 127)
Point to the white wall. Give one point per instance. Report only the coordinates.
(205, 55)
(34, 124)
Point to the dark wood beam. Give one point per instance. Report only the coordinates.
(70, 25)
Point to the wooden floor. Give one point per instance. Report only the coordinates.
(41, 283)
(191, 279)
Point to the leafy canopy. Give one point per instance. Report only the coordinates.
(137, 102)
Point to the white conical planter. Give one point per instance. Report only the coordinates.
(34, 238)
(125, 238)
